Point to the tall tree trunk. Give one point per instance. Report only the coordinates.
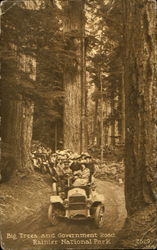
(106, 127)
(17, 130)
(123, 108)
(99, 134)
(140, 89)
(113, 119)
(102, 119)
(95, 125)
(17, 109)
(75, 111)
(56, 136)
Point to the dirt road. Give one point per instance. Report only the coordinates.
(35, 232)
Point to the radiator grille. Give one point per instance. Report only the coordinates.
(77, 199)
(77, 206)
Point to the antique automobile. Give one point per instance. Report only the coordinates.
(79, 203)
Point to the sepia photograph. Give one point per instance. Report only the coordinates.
(78, 124)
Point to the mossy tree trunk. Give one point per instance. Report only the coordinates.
(75, 107)
(17, 122)
(140, 89)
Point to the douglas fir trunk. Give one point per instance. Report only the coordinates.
(75, 134)
(140, 103)
(17, 121)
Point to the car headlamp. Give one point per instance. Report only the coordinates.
(66, 203)
(89, 203)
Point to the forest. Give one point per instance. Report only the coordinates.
(80, 75)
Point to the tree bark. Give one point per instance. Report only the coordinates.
(123, 108)
(56, 136)
(140, 89)
(75, 107)
(106, 127)
(113, 119)
(17, 122)
(95, 121)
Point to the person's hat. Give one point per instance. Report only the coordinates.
(66, 161)
(83, 166)
(67, 150)
(75, 156)
(83, 161)
(85, 155)
(61, 157)
(61, 152)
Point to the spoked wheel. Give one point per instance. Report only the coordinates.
(52, 215)
(99, 216)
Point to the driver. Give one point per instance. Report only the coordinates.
(81, 177)
(66, 172)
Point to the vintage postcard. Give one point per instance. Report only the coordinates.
(78, 124)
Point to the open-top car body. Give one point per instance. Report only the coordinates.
(78, 203)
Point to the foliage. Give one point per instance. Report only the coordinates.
(105, 52)
(34, 35)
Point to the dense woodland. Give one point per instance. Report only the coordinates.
(80, 75)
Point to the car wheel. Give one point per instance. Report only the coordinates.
(99, 216)
(52, 215)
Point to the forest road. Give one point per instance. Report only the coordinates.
(115, 215)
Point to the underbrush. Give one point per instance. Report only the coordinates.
(23, 196)
(139, 231)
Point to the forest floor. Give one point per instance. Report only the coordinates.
(24, 203)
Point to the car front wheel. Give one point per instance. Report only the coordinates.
(52, 215)
(99, 216)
